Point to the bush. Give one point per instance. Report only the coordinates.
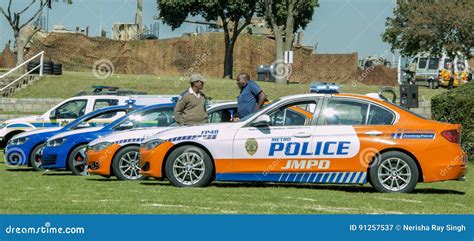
(457, 106)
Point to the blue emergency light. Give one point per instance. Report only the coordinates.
(130, 102)
(324, 88)
(175, 99)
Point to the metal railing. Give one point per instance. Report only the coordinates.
(40, 66)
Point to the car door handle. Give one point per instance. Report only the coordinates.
(302, 135)
(373, 133)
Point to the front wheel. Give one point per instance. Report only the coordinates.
(35, 158)
(77, 161)
(189, 166)
(394, 172)
(125, 164)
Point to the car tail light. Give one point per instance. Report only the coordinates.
(451, 135)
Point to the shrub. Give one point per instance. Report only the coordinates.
(457, 106)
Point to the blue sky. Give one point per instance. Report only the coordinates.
(338, 26)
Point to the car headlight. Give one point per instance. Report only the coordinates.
(150, 145)
(17, 141)
(100, 146)
(56, 142)
(2, 125)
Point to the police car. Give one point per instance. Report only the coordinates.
(75, 107)
(24, 148)
(117, 154)
(320, 137)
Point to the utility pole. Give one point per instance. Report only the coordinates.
(138, 17)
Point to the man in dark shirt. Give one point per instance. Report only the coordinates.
(251, 96)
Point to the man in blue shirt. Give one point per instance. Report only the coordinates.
(251, 96)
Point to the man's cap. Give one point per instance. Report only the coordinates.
(196, 77)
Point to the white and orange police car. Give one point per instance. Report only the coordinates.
(312, 138)
(117, 154)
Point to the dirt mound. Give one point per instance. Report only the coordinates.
(7, 58)
(379, 75)
(182, 56)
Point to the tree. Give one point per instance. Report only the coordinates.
(285, 18)
(433, 26)
(234, 15)
(17, 26)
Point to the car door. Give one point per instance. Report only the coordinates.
(288, 138)
(348, 135)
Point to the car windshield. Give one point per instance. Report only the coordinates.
(264, 107)
(93, 115)
(154, 117)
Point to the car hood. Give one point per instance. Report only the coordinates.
(40, 131)
(74, 132)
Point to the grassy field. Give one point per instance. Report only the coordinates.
(71, 83)
(25, 191)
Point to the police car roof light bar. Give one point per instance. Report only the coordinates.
(324, 88)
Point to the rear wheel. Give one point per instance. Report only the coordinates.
(395, 172)
(35, 158)
(125, 164)
(77, 160)
(189, 166)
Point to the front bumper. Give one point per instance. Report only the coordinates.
(54, 157)
(152, 160)
(99, 163)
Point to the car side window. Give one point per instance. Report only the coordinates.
(220, 116)
(72, 109)
(153, 118)
(422, 63)
(295, 114)
(380, 116)
(102, 103)
(344, 112)
(433, 63)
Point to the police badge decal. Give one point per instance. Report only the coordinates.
(251, 146)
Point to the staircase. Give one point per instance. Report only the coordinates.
(21, 84)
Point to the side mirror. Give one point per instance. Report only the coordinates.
(84, 125)
(52, 115)
(126, 125)
(261, 121)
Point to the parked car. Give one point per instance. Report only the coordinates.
(117, 154)
(67, 150)
(334, 138)
(23, 149)
(75, 107)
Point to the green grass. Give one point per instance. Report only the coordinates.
(24, 191)
(71, 83)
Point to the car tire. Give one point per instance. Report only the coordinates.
(394, 172)
(190, 160)
(76, 160)
(125, 164)
(34, 160)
